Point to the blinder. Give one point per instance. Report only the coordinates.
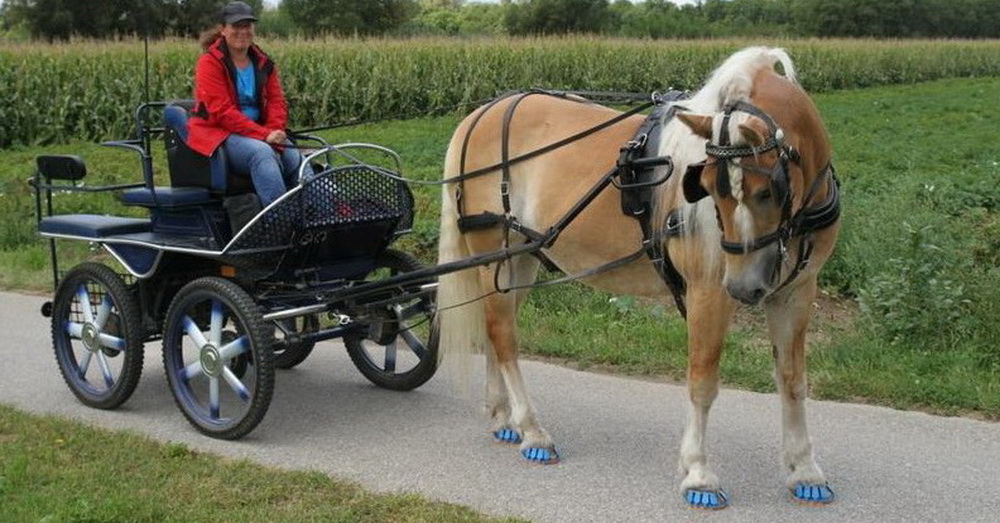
(693, 190)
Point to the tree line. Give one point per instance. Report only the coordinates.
(62, 19)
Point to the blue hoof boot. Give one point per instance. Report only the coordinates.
(813, 494)
(540, 456)
(506, 435)
(706, 499)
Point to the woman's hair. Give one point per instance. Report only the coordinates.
(209, 36)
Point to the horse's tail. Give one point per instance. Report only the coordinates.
(461, 313)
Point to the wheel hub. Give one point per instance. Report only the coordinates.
(89, 337)
(384, 326)
(211, 360)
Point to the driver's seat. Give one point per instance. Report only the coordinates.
(190, 169)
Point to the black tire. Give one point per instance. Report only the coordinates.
(96, 317)
(218, 357)
(295, 353)
(408, 325)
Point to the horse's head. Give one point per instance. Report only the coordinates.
(749, 175)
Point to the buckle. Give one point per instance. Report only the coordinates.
(504, 188)
(637, 142)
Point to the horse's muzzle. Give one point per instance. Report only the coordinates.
(751, 281)
(748, 295)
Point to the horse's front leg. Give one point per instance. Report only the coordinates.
(788, 317)
(709, 312)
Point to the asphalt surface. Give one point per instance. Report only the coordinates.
(618, 438)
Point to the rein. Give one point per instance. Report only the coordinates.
(803, 222)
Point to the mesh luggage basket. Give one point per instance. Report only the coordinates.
(342, 214)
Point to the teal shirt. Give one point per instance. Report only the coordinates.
(246, 91)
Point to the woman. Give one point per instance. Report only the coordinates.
(239, 103)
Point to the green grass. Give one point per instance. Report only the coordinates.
(919, 252)
(58, 470)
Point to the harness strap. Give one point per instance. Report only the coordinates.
(505, 150)
(552, 146)
(465, 150)
(722, 184)
(611, 265)
(636, 182)
(653, 246)
(804, 221)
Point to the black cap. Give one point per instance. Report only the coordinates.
(237, 12)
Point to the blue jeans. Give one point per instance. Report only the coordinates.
(272, 173)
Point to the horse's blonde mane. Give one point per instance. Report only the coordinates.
(733, 80)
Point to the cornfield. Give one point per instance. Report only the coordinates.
(87, 90)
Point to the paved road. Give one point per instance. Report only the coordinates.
(618, 438)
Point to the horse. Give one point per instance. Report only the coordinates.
(749, 214)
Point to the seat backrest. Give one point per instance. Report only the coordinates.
(188, 168)
(61, 167)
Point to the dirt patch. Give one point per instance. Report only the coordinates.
(831, 315)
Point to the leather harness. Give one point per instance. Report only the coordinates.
(637, 171)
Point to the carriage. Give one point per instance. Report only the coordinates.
(234, 294)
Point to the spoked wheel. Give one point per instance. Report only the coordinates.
(97, 334)
(397, 349)
(217, 354)
(294, 353)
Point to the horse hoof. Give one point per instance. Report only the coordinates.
(540, 456)
(706, 499)
(813, 494)
(506, 435)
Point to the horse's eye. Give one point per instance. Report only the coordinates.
(764, 195)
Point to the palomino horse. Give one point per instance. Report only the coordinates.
(750, 214)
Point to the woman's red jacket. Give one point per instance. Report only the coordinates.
(217, 112)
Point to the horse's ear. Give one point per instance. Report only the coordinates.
(751, 135)
(693, 190)
(700, 124)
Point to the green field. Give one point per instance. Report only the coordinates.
(915, 281)
(918, 253)
(86, 90)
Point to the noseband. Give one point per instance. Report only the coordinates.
(804, 221)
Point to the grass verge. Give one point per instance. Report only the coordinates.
(57, 470)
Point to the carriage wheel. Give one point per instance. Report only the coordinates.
(97, 335)
(218, 359)
(398, 349)
(295, 353)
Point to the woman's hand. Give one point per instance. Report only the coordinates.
(276, 137)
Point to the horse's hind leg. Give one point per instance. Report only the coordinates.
(709, 312)
(788, 317)
(513, 415)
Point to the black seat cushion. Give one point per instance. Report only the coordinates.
(167, 196)
(91, 225)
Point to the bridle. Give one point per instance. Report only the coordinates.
(803, 222)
